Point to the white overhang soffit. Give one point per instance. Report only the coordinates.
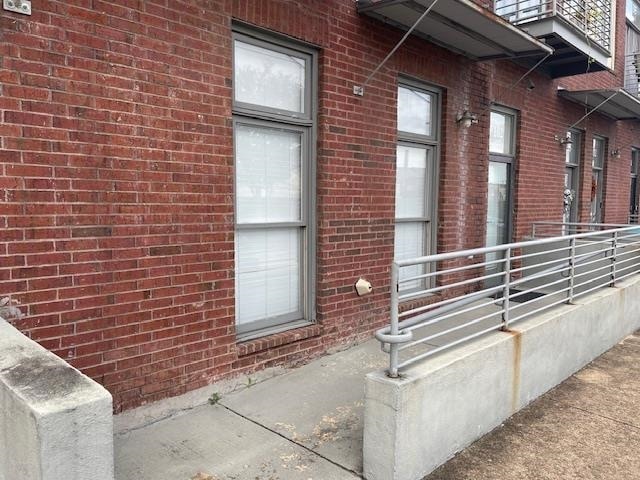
(458, 25)
(615, 103)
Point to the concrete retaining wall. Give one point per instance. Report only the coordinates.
(55, 423)
(416, 423)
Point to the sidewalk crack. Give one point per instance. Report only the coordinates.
(275, 432)
(630, 425)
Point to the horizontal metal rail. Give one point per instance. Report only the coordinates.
(592, 18)
(471, 292)
(555, 229)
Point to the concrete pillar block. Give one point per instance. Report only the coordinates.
(55, 422)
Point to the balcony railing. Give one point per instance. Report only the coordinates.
(632, 73)
(592, 18)
(466, 294)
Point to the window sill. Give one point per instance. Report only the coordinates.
(288, 334)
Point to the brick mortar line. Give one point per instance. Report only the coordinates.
(308, 449)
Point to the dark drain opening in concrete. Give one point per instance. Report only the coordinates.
(526, 297)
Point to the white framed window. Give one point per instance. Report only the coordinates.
(273, 126)
(633, 12)
(416, 164)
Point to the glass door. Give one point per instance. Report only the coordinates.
(597, 179)
(498, 204)
(633, 197)
(499, 192)
(571, 180)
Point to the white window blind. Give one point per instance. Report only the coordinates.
(409, 243)
(268, 163)
(268, 273)
(411, 181)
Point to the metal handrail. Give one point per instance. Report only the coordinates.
(564, 228)
(590, 17)
(585, 262)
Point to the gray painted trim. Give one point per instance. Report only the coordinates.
(601, 173)
(284, 327)
(577, 168)
(431, 143)
(511, 160)
(289, 120)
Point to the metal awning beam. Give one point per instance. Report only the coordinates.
(359, 90)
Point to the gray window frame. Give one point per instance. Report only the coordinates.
(635, 176)
(576, 146)
(626, 15)
(601, 173)
(306, 124)
(428, 142)
(508, 158)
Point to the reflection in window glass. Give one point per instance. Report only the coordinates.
(633, 12)
(497, 204)
(414, 111)
(598, 153)
(572, 149)
(268, 78)
(500, 133)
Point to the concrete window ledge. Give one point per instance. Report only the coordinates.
(416, 423)
(55, 423)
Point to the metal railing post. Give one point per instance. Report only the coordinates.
(505, 291)
(572, 270)
(394, 347)
(614, 254)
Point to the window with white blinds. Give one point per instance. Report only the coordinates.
(415, 167)
(273, 124)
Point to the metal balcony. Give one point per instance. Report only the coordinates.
(578, 30)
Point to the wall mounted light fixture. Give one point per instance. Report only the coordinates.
(564, 140)
(466, 119)
(615, 153)
(17, 6)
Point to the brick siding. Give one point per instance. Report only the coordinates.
(116, 178)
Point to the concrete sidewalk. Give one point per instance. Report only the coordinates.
(307, 424)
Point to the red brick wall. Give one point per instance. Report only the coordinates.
(116, 179)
